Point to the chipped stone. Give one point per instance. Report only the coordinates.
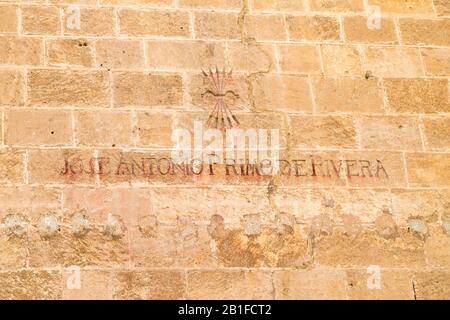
(148, 226)
(187, 229)
(321, 225)
(285, 223)
(446, 226)
(418, 226)
(216, 227)
(385, 225)
(114, 226)
(48, 226)
(15, 225)
(80, 224)
(352, 224)
(328, 202)
(252, 224)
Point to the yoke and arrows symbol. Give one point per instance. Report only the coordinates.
(221, 115)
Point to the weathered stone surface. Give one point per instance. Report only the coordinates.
(47, 166)
(436, 61)
(220, 4)
(426, 204)
(235, 249)
(308, 204)
(8, 19)
(103, 128)
(384, 169)
(196, 55)
(417, 95)
(14, 252)
(199, 203)
(11, 166)
(277, 5)
(263, 27)
(58, 87)
(157, 249)
(11, 87)
(155, 130)
(356, 30)
(77, 52)
(428, 32)
(337, 6)
(393, 285)
(30, 285)
(299, 58)
(93, 22)
(340, 60)
(282, 93)
(146, 23)
(437, 133)
(229, 285)
(21, 50)
(131, 204)
(348, 95)
(151, 89)
(393, 62)
(327, 131)
(66, 248)
(410, 6)
(313, 28)
(31, 201)
(389, 133)
(94, 285)
(216, 26)
(369, 248)
(437, 247)
(41, 127)
(428, 170)
(148, 285)
(442, 8)
(300, 285)
(40, 20)
(251, 56)
(119, 54)
(432, 285)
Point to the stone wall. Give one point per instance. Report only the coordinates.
(91, 92)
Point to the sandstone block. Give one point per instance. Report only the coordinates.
(428, 169)
(38, 127)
